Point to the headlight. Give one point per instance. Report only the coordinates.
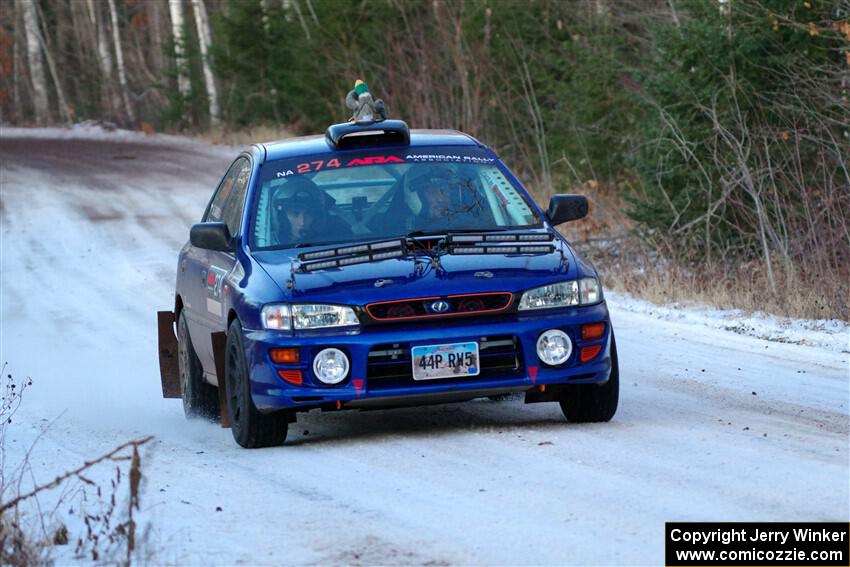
(311, 316)
(562, 294)
(318, 316)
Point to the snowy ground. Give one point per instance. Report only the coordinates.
(715, 422)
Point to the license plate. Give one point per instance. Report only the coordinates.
(445, 361)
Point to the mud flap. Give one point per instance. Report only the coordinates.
(219, 343)
(169, 372)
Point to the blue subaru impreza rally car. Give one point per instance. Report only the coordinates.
(379, 267)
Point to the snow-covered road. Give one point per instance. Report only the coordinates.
(713, 425)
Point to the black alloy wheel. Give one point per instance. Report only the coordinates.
(582, 403)
(251, 429)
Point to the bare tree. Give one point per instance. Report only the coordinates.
(157, 44)
(17, 70)
(176, 8)
(39, 81)
(64, 109)
(104, 59)
(205, 41)
(119, 59)
(301, 19)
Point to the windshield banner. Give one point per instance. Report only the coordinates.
(314, 164)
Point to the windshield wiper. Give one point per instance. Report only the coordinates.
(418, 233)
(308, 244)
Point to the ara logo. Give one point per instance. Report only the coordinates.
(439, 306)
(374, 160)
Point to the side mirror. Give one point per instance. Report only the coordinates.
(211, 236)
(563, 208)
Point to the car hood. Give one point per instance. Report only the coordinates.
(398, 278)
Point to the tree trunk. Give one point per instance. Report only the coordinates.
(39, 81)
(155, 14)
(301, 19)
(104, 60)
(17, 70)
(264, 10)
(119, 59)
(205, 41)
(64, 110)
(312, 12)
(176, 8)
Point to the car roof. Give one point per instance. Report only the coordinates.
(312, 145)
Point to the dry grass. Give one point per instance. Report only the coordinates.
(628, 265)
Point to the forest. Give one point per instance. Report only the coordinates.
(711, 136)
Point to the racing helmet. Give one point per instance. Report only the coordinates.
(424, 179)
(298, 194)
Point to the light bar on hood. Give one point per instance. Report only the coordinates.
(502, 243)
(352, 254)
(352, 249)
(465, 239)
(545, 249)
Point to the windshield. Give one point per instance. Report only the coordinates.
(370, 195)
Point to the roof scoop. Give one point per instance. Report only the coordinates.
(355, 135)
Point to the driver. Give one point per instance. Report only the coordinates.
(432, 197)
(300, 211)
(435, 200)
(439, 193)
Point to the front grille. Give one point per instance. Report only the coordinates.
(451, 306)
(390, 364)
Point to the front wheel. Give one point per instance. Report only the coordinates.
(582, 403)
(251, 429)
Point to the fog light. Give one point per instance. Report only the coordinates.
(554, 347)
(331, 366)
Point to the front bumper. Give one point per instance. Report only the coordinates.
(363, 388)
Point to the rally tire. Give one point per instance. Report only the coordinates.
(251, 429)
(582, 403)
(200, 399)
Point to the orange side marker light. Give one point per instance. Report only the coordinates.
(291, 376)
(284, 355)
(588, 353)
(592, 331)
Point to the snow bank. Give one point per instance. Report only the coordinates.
(93, 130)
(828, 334)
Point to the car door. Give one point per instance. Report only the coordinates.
(205, 269)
